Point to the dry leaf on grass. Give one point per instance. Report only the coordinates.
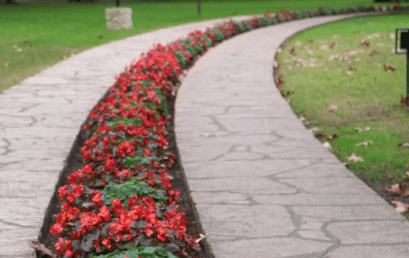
(393, 188)
(373, 52)
(276, 65)
(403, 145)
(5, 64)
(403, 189)
(315, 129)
(364, 129)
(332, 137)
(388, 68)
(400, 206)
(333, 108)
(289, 100)
(364, 143)
(355, 158)
(392, 36)
(100, 37)
(364, 43)
(325, 47)
(326, 145)
(207, 135)
(278, 81)
(302, 119)
(16, 48)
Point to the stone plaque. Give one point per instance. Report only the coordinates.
(119, 18)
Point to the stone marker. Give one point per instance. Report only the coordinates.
(119, 18)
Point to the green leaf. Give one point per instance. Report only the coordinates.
(125, 190)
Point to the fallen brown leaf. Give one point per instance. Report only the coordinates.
(333, 108)
(276, 65)
(100, 37)
(332, 137)
(364, 143)
(201, 236)
(388, 68)
(16, 48)
(315, 129)
(373, 52)
(393, 188)
(403, 145)
(364, 43)
(354, 158)
(292, 51)
(41, 248)
(364, 129)
(403, 190)
(207, 135)
(5, 64)
(326, 145)
(278, 81)
(404, 100)
(392, 36)
(320, 135)
(400, 206)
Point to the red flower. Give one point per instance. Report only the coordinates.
(106, 242)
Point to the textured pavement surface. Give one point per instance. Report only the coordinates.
(39, 121)
(263, 185)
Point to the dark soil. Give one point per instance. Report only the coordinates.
(179, 183)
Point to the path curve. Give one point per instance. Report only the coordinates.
(40, 119)
(264, 186)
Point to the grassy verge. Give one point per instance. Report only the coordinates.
(351, 65)
(36, 36)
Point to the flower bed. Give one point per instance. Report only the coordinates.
(122, 198)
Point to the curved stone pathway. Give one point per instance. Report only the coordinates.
(263, 185)
(39, 121)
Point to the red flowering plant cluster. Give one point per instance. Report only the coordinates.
(122, 198)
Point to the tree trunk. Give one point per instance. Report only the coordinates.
(117, 3)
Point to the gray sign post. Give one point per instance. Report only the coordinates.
(403, 34)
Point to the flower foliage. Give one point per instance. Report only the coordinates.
(122, 198)
(140, 252)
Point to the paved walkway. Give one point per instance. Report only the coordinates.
(270, 195)
(39, 121)
(264, 186)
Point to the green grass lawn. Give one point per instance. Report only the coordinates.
(342, 64)
(36, 36)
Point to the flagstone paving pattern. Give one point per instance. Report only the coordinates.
(263, 185)
(39, 121)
